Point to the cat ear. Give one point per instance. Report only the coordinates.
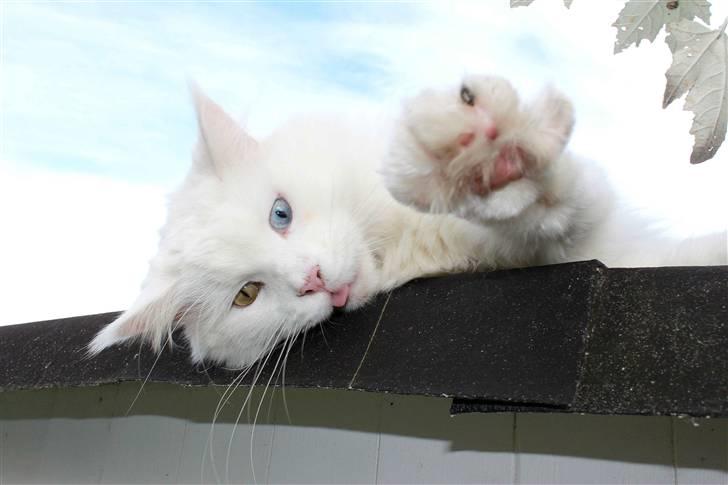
(223, 143)
(551, 121)
(151, 318)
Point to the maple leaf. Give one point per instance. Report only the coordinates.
(700, 66)
(643, 19)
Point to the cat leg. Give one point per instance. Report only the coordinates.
(512, 175)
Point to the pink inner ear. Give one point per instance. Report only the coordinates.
(507, 168)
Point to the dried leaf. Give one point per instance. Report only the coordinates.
(700, 66)
(643, 19)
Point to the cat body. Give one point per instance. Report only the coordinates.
(265, 238)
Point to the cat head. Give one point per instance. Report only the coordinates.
(259, 244)
(465, 144)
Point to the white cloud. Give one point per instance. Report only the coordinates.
(73, 244)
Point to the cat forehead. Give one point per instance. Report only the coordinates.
(307, 141)
(307, 159)
(219, 224)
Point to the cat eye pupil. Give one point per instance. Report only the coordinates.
(467, 96)
(281, 215)
(247, 294)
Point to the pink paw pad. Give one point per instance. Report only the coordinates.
(465, 139)
(491, 132)
(507, 168)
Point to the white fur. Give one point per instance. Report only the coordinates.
(374, 205)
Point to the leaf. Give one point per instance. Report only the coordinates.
(689, 9)
(700, 66)
(643, 19)
(567, 3)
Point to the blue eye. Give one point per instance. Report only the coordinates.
(281, 215)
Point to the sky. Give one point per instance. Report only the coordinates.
(96, 124)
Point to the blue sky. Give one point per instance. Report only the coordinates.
(100, 87)
(96, 124)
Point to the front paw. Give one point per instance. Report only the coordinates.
(446, 154)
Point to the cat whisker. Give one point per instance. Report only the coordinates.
(260, 404)
(323, 334)
(269, 351)
(360, 208)
(275, 385)
(379, 243)
(141, 388)
(224, 400)
(149, 374)
(303, 342)
(283, 382)
(210, 437)
(285, 347)
(167, 341)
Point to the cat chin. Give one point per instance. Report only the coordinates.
(238, 346)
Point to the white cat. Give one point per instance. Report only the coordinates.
(265, 238)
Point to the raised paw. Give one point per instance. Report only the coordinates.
(475, 140)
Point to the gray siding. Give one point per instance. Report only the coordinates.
(87, 436)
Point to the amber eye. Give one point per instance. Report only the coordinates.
(467, 96)
(247, 294)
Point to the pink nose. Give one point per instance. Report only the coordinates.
(313, 282)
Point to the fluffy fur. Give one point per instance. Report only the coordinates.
(449, 186)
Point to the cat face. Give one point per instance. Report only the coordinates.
(258, 246)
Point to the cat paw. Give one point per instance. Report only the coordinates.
(546, 126)
(475, 143)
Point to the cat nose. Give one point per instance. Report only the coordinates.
(313, 282)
